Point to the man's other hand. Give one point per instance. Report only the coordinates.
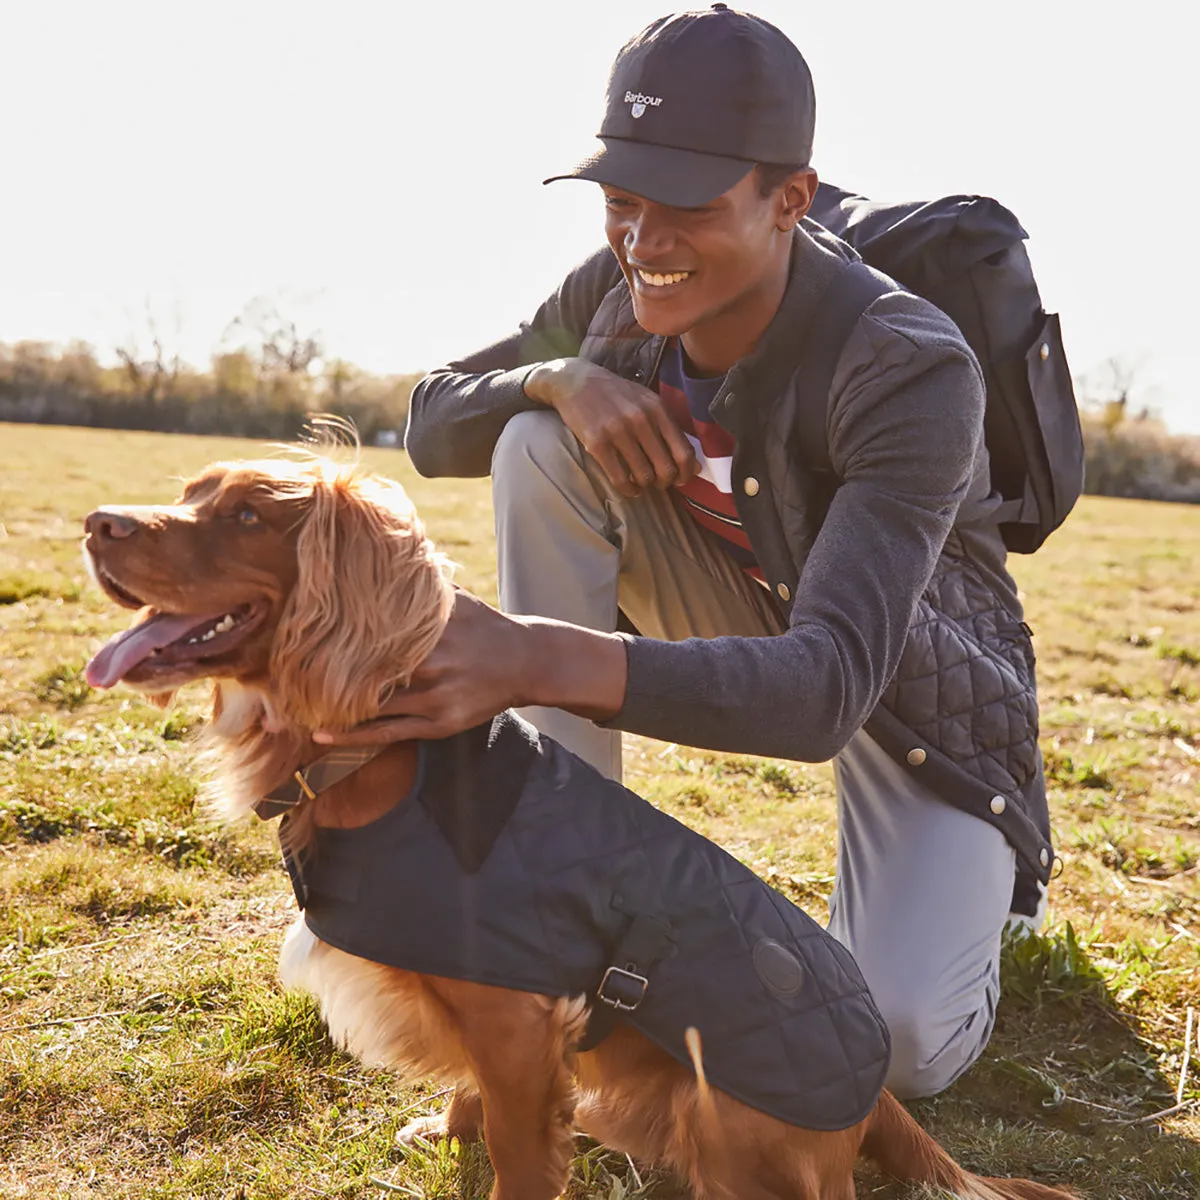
(625, 427)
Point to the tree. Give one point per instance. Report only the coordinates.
(274, 339)
(151, 376)
(1109, 390)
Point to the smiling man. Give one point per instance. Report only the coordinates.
(650, 438)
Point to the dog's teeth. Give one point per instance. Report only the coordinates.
(225, 624)
(208, 637)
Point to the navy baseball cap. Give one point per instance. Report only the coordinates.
(694, 101)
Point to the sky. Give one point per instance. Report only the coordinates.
(375, 168)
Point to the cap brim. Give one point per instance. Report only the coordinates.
(664, 174)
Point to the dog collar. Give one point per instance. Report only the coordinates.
(307, 783)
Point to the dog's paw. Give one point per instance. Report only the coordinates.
(426, 1129)
(462, 1118)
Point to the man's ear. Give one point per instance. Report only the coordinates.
(370, 602)
(796, 195)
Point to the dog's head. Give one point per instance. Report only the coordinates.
(309, 582)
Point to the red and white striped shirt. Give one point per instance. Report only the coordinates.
(708, 496)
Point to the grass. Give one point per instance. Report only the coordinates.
(146, 1050)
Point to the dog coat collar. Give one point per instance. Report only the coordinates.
(307, 783)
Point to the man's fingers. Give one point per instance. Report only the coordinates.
(614, 467)
(666, 444)
(682, 452)
(628, 430)
(378, 733)
(640, 469)
(658, 452)
(398, 717)
(405, 701)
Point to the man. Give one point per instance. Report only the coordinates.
(641, 435)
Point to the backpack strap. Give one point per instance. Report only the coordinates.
(849, 294)
(1008, 511)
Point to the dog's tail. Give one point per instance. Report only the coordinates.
(709, 1117)
(903, 1149)
(711, 1128)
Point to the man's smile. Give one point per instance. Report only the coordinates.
(658, 280)
(661, 278)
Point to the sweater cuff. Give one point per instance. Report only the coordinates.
(508, 389)
(647, 700)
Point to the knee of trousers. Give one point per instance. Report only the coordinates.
(931, 1047)
(532, 444)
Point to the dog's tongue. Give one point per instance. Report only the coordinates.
(122, 653)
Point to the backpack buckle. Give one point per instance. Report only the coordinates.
(622, 988)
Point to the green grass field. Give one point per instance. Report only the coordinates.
(147, 1051)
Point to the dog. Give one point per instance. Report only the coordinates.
(306, 590)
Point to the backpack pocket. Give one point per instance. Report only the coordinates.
(1035, 439)
(1058, 418)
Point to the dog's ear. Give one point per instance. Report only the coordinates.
(371, 600)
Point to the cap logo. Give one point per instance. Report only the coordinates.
(640, 103)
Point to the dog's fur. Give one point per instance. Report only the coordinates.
(339, 595)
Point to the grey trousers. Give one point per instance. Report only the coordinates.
(922, 891)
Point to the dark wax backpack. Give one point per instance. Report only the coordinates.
(966, 254)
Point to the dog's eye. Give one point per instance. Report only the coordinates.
(247, 516)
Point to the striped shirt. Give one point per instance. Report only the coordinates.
(709, 496)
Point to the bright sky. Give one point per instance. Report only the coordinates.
(377, 166)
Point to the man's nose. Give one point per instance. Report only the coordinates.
(110, 524)
(648, 237)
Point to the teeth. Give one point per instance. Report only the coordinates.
(657, 280)
(224, 625)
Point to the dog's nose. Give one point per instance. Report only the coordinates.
(110, 524)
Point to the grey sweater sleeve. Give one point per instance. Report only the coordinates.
(456, 413)
(905, 430)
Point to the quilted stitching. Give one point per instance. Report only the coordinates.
(577, 858)
(832, 1054)
(964, 683)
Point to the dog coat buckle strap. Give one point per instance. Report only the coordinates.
(646, 941)
(307, 783)
(622, 988)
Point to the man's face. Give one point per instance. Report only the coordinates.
(698, 270)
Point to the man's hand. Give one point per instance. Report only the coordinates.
(486, 662)
(625, 427)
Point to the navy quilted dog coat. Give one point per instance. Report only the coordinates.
(514, 863)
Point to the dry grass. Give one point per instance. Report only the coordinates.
(146, 1051)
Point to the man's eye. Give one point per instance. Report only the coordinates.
(247, 516)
